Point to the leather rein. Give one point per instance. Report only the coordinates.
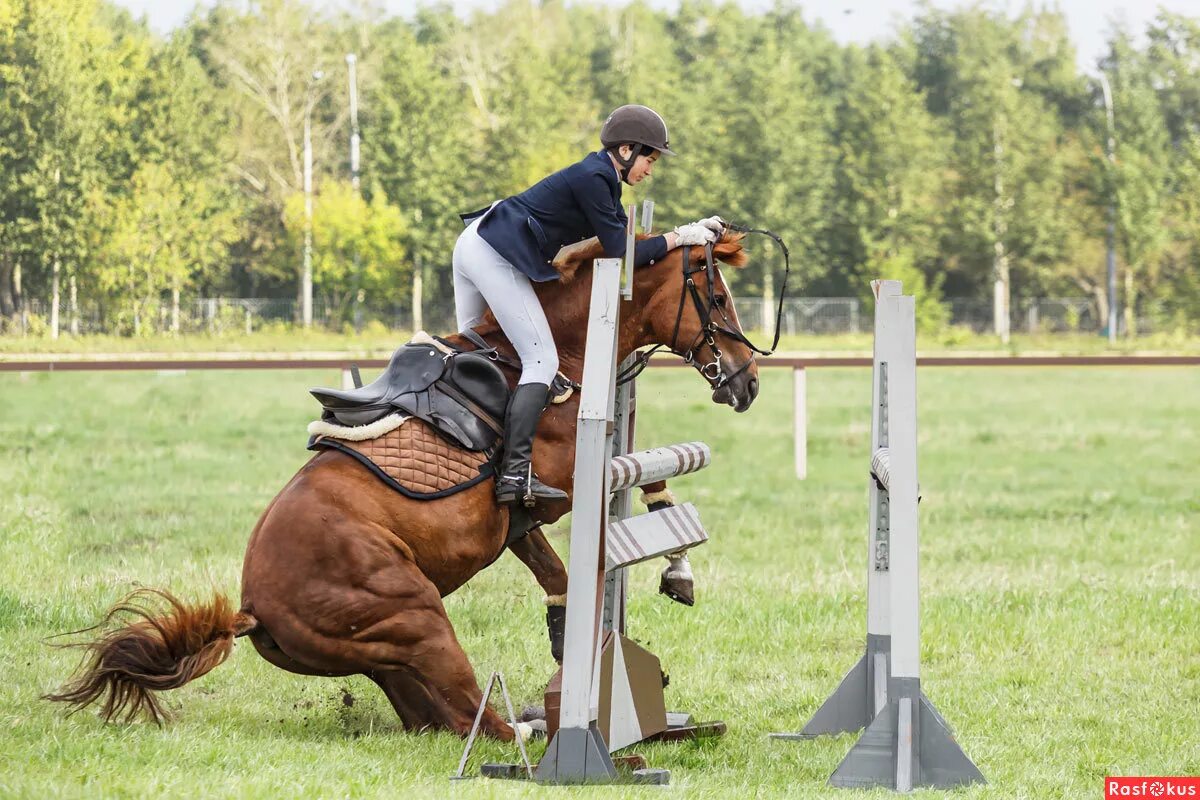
(709, 328)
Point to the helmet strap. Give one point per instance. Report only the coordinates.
(637, 149)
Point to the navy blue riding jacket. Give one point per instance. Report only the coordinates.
(573, 204)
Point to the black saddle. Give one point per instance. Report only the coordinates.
(463, 395)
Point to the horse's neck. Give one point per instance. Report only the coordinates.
(567, 307)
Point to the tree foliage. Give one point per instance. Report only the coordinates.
(357, 244)
(968, 151)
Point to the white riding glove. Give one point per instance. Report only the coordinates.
(714, 224)
(694, 235)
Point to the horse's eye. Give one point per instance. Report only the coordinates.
(720, 300)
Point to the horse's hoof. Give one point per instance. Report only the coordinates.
(681, 590)
(531, 713)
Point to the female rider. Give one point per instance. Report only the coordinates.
(514, 242)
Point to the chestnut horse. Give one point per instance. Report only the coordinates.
(344, 576)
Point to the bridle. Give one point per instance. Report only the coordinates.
(709, 328)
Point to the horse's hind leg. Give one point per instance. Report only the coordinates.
(416, 705)
(424, 671)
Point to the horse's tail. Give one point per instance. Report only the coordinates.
(155, 651)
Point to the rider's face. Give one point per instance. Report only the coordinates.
(642, 167)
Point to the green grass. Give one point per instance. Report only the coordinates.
(1060, 596)
(377, 341)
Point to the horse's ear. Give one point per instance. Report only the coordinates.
(573, 256)
(729, 250)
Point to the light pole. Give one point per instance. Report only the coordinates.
(352, 75)
(351, 62)
(1112, 210)
(307, 281)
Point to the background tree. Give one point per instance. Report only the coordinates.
(889, 170)
(779, 148)
(991, 79)
(357, 244)
(966, 151)
(416, 148)
(49, 120)
(1141, 174)
(272, 61)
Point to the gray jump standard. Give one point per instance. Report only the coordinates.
(906, 743)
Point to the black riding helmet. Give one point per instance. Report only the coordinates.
(638, 126)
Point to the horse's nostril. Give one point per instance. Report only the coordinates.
(753, 387)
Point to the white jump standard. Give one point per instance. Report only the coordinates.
(906, 744)
(579, 750)
(611, 692)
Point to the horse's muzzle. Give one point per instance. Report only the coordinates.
(739, 391)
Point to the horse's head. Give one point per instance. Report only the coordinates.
(689, 309)
(686, 308)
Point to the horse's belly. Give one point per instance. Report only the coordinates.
(452, 544)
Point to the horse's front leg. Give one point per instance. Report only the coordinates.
(536, 553)
(676, 582)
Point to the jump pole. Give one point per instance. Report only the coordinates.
(906, 744)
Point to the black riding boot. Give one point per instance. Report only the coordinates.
(516, 482)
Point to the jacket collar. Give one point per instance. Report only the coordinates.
(602, 156)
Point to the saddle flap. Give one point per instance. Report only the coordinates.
(469, 401)
(481, 380)
(463, 395)
(413, 368)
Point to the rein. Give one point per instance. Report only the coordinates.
(711, 372)
(709, 328)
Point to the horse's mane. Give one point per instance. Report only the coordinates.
(728, 250)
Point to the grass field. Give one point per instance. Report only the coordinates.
(1060, 578)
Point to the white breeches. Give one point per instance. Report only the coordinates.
(483, 279)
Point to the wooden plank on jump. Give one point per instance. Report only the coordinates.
(641, 538)
(659, 463)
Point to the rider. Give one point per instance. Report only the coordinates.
(513, 242)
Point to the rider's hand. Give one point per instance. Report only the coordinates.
(714, 224)
(693, 234)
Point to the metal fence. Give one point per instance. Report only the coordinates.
(1042, 315)
(834, 315)
(803, 315)
(223, 316)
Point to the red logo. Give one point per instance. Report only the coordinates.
(1165, 788)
